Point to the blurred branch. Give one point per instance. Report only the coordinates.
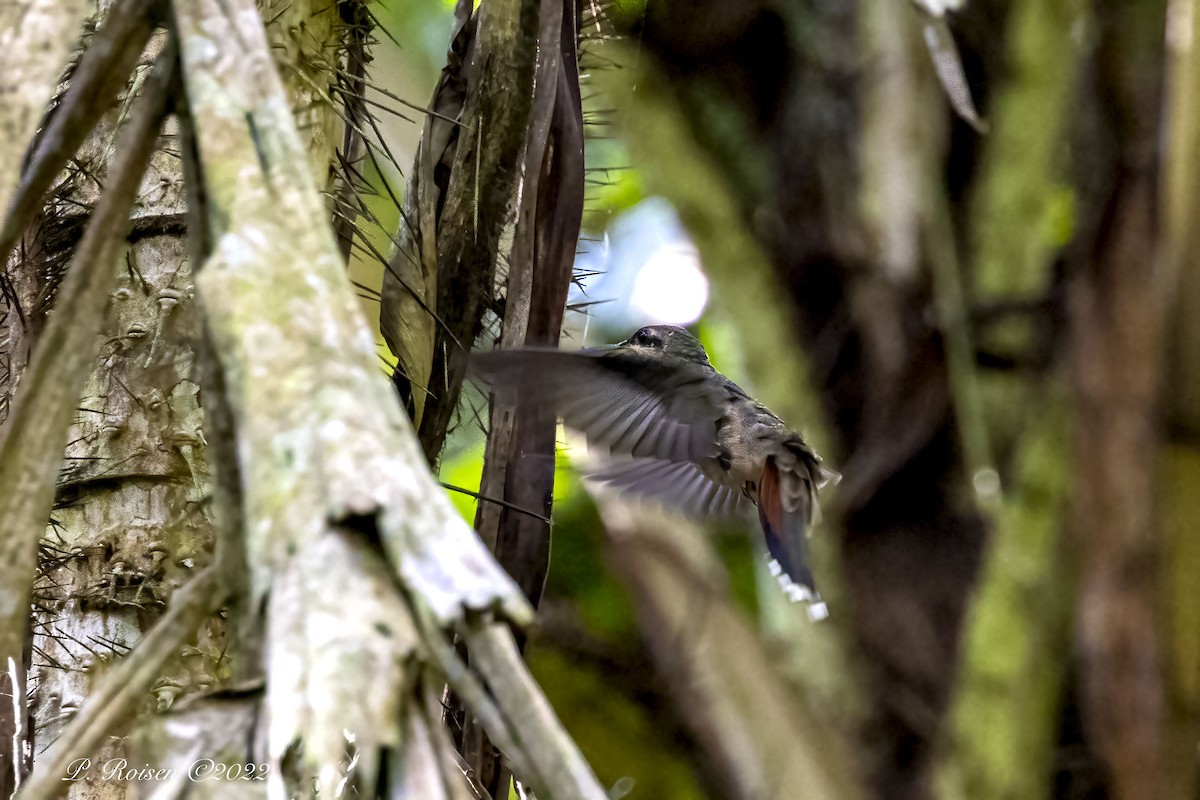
(1115, 446)
(762, 742)
(1181, 206)
(1012, 224)
(905, 213)
(898, 149)
(1006, 709)
(1116, 298)
(950, 302)
(1180, 464)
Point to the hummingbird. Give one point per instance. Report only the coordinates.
(677, 431)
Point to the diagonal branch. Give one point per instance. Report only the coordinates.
(763, 743)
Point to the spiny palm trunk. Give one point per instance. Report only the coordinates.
(132, 519)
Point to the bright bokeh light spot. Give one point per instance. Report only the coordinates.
(670, 287)
(987, 483)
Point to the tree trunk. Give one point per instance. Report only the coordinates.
(130, 521)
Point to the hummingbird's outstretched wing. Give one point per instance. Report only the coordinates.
(695, 491)
(623, 401)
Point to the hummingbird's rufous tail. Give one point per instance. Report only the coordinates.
(786, 504)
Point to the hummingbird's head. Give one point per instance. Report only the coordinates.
(671, 340)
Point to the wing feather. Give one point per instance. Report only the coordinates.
(678, 484)
(630, 403)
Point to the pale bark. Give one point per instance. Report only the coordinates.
(36, 37)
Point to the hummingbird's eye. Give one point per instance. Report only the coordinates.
(644, 338)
